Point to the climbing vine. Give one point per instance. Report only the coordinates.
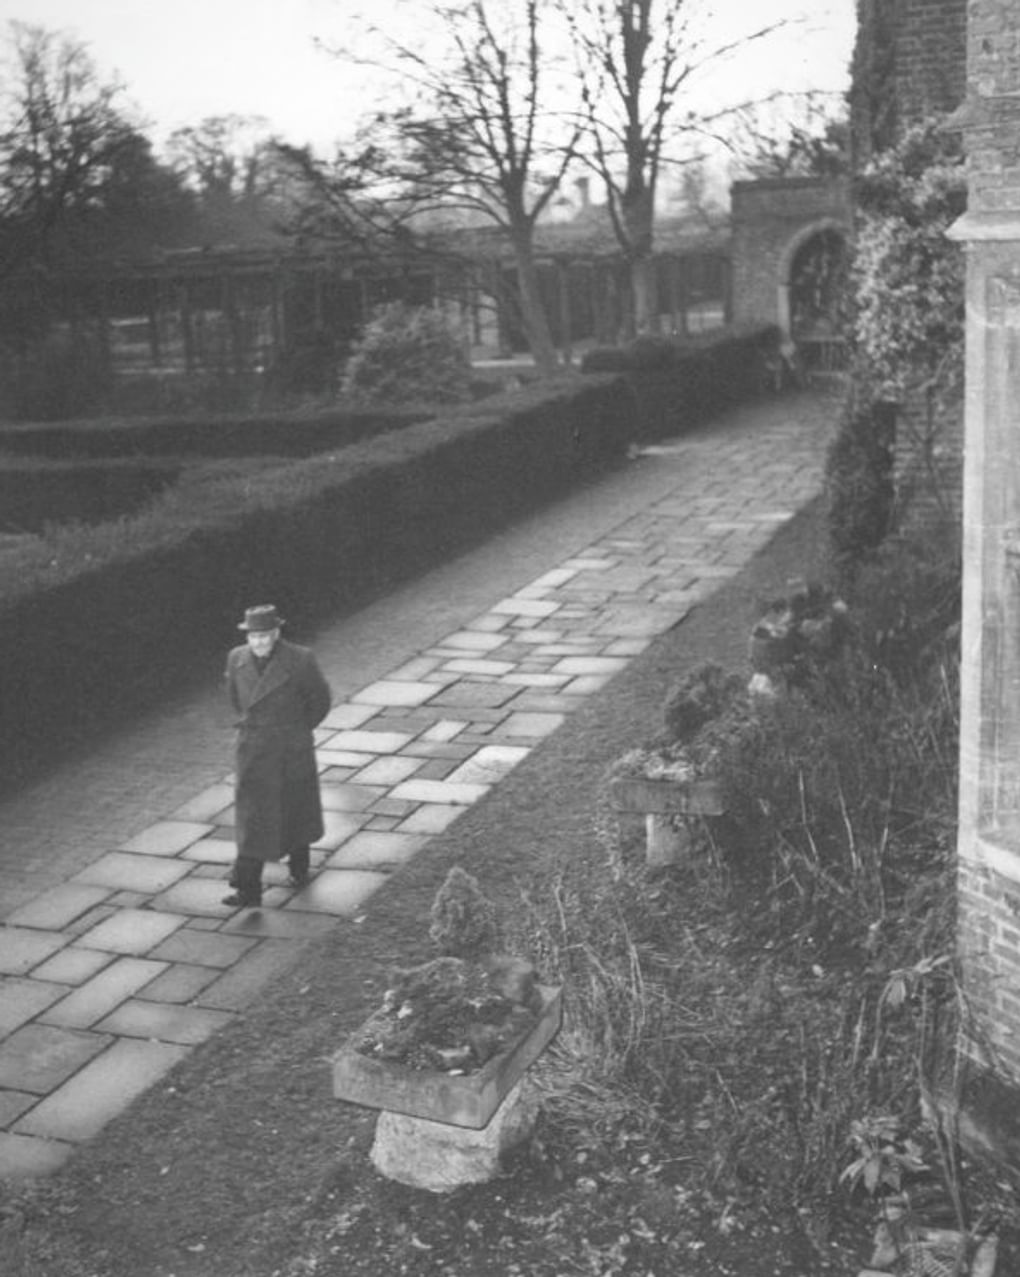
(905, 330)
(907, 274)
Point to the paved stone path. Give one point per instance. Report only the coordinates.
(116, 956)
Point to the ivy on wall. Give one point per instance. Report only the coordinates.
(904, 326)
(907, 278)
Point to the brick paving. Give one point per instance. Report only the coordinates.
(116, 955)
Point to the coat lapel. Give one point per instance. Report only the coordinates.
(278, 671)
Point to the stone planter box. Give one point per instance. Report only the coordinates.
(467, 1101)
(666, 797)
(659, 799)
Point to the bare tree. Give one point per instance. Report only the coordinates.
(482, 141)
(809, 137)
(223, 157)
(636, 60)
(61, 135)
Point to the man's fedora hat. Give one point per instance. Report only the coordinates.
(262, 619)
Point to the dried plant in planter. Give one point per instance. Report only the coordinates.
(460, 1009)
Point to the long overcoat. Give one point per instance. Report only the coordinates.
(278, 808)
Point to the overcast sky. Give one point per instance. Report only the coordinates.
(181, 60)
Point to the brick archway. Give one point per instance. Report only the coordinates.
(773, 220)
(788, 258)
(820, 349)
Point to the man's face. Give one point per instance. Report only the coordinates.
(262, 642)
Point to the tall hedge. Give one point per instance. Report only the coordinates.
(678, 384)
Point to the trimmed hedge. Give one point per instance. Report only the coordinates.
(36, 494)
(102, 622)
(677, 384)
(281, 434)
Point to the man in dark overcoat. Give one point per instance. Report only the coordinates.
(279, 695)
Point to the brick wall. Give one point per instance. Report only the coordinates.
(909, 63)
(931, 66)
(989, 930)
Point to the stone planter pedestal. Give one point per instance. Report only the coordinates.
(661, 800)
(438, 1130)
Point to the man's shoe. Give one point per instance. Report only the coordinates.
(236, 901)
(299, 879)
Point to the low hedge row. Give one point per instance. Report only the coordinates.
(677, 384)
(99, 622)
(290, 434)
(35, 494)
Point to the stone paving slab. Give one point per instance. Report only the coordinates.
(85, 1103)
(233, 990)
(57, 908)
(131, 931)
(112, 972)
(39, 1057)
(163, 1022)
(22, 1157)
(166, 837)
(125, 871)
(95, 999)
(22, 949)
(22, 1000)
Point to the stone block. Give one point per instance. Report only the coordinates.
(469, 1100)
(439, 1157)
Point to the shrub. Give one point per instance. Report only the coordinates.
(408, 355)
(463, 920)
(698, 698)
(861, 492)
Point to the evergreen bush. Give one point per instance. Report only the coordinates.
(408, 355)
(859, 477)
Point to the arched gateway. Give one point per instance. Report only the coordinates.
(790, 239)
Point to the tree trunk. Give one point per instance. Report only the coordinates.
(533, 316)
(637, 212)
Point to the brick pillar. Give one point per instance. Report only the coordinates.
(989, 813)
